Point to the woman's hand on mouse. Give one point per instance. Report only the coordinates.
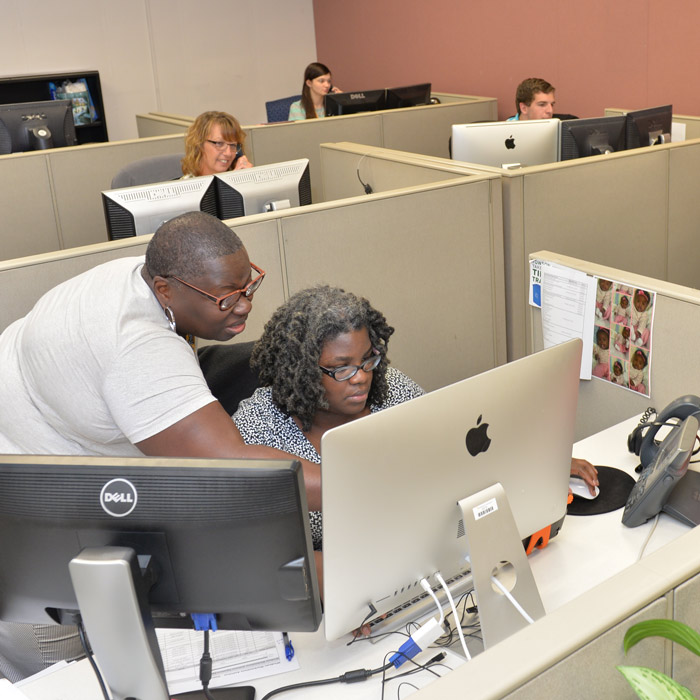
(584, 469)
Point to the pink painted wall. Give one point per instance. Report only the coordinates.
(598, 53)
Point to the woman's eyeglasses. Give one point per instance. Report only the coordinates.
(342, 374)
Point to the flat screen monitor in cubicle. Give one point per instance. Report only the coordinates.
(507, 144)
(339, 103)
(649, 127)
(35, 126)
(159, 537)
(263, 188)
(408, 96)
(422, 457)
(140, 210)
(592, 137)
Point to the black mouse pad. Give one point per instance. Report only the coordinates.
(615, 486)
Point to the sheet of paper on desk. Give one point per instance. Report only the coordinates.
(237, 657)
(9, 691)
(568, 305)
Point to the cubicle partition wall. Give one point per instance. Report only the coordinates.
(636, 209)
(429, 257)
(675, 369)
(423, 129)
(50, 200)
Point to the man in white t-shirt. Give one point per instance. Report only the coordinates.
(102, 366)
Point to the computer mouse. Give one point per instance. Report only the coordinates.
(580, 488)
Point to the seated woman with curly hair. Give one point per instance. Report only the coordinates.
(322, 361)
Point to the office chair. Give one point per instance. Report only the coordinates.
(148, 170)
(226, 368)
(278, 110)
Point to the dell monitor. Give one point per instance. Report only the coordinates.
(340, 103)
(412, 463)
(140, 210)
(35, 126)
(592, 137)
(263, 188)
(507, 144)
(649, 127)
(118, 540)
(408, 96)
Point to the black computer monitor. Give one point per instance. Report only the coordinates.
(339, 103)
(228, 537)
(35, 126)
(592, 137)
(649, 127)
(140, 210)
(263, 188)
(408, 96)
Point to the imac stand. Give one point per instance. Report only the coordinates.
(496, 549)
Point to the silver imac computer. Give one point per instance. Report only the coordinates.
(263, 188)
(140, 210)
(507, 144)
(392, 481)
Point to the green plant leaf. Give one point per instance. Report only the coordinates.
(654, 685)
(670, 629)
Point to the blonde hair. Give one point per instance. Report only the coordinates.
(198, 133)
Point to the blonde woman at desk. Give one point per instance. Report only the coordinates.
(318, 82)
(214, 144)
(322, 362)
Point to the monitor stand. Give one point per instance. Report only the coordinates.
(112, 598)
(495, 548)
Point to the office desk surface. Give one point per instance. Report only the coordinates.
(587, 551)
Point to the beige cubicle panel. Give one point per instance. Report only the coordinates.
(346, 168)
(51, 199)
(157, 124)
(28, 223)
(572, 651)
(616, 209)
(692, 124)
(430, 258)
(675, 368)
(24, 280)
(423, 129)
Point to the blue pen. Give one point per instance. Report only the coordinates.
(288, 648)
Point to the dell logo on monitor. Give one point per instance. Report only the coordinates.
(118, 497)
(357, 95)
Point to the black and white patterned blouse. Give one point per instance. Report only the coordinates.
(261, 422)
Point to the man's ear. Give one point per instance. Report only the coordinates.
(523, 108)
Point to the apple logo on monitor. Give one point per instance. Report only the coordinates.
(477, 440)
(510, 143)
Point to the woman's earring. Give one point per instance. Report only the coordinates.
(170, 315)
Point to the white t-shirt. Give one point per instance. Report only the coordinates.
(95, 368)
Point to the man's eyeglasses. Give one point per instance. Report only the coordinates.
(228, 301)
(342, 374)
(221, 145)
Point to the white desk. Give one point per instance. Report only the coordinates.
(587, 551)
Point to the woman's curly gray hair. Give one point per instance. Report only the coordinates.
(286, 357)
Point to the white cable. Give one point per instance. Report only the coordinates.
(515, 603)
(648, 537)
(428, 589)
(458, 622)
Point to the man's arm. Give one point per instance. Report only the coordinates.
(210, 433)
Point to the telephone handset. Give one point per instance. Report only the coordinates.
(641, 440)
